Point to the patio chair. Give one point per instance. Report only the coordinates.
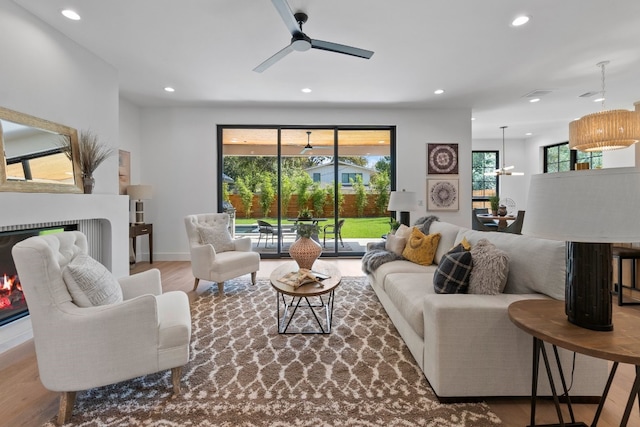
(335, 230)
(266, 229)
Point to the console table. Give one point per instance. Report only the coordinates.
(136, 230)
(547, 322)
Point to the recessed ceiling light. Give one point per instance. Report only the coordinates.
(473, 118)
(306, 90)
(71, 14)
(520, 20)
(382, 141)
(598, 100)
(169, 89)
(534, 100)
(438, 91)
(528, 134)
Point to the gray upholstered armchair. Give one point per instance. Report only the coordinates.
(91, 329)
(215, 256)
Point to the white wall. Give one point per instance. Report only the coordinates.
(46, 75)
(179, 146)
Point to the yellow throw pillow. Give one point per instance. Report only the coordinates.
(465, 244)
(421, 248)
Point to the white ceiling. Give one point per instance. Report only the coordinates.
(207, 49)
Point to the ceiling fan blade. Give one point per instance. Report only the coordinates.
(287, 16)
(305, 149)
(272, 60)
(341, 48)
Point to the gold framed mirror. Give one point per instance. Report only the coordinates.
(34, 160)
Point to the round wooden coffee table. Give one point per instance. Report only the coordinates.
(318, 297)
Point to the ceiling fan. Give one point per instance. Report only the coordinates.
(308, 147)
(504, 170)
(301, 42)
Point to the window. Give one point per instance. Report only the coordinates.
(483, 184)
(559, 158)
(316, 177)
(348, 177)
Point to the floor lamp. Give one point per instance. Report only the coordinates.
(138, 193)
(589, 210)
(403, 202)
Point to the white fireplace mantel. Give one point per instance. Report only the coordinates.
(35, 208)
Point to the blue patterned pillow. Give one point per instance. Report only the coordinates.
(453, 272)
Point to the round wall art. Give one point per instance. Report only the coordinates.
(442, 159)
(443, 194)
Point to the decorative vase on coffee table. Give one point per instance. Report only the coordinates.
(305, 252)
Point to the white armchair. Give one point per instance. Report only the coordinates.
(215, 256)
(78, 348)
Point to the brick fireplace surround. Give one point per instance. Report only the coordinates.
(110, 211)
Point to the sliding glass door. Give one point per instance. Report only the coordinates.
(271, 178)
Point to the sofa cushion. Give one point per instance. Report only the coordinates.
(448, 233)
(453, 272)
(216, 235)
(90, 283)
(421, 248)
(490, 269)
(395, 244)
(404, 231)
(526, 256)
(407, 291)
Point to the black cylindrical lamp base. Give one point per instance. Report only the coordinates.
(588, 285)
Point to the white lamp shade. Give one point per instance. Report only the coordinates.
(589, 206)
(402, 201)
(140, 192)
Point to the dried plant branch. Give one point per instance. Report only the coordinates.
(92, 152)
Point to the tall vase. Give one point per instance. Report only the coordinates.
(305, 252)
(88, 182)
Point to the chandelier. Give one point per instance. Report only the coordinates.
(605, 130)
(504, 170)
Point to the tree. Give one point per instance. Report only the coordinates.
(380, 182)
(286, 191)
(267, 193)
(361, 194)
(302, 183)
(318, 199)
(246, 196)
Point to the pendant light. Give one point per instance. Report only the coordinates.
(605, 130)
(504, 170)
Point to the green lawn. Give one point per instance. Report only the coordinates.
(353, 228)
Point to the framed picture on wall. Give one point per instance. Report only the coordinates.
(442, 159)
(443, 195)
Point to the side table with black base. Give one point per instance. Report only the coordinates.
(321, 293)
(547, 322)
(136, 230)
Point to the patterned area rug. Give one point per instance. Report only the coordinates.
(243, 373)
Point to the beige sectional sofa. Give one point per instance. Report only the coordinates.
(465, 343)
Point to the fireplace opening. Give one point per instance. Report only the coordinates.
(13, 305)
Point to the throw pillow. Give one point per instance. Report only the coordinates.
(403, 231)
(216, 235)
(453, 272)
(90, 283)
(465, 244)
(490, 269)
(421, 248)
(395, 244)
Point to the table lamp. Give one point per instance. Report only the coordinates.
(403, 202)
(589, 210)
(139, 193)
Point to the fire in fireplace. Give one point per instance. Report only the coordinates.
(13, 305)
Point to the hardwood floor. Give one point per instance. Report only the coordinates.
(25, 402)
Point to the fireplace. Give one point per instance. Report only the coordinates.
(12, 302)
